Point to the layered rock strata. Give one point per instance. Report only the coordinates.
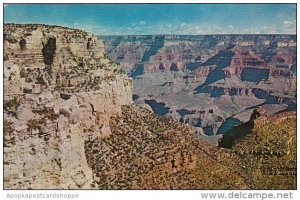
(59, 90)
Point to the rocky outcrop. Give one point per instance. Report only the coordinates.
(128, 54)
(279, 64)
(266, 157)
(169, 59)
(59, 90)
(283, 58)
(241, 60)
(204, 71)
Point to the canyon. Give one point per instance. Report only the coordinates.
(73, 118)
(211, 82)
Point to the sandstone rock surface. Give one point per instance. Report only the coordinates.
(59, 90)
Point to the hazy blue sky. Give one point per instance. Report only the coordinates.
(118, 19)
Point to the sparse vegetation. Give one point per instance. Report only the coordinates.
(155, 152)
(47, 113)
(7, 127)
(11, 106)
(266, 157)
(40, 80)
(34, 124)
(23, 73)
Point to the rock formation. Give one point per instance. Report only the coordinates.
(229, 75)
(70, 122)
(266, 157)
(242, 59)
(59, 90)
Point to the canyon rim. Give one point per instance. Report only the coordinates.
(124, 107)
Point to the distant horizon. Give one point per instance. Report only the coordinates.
(160, 19)
(232, 34)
